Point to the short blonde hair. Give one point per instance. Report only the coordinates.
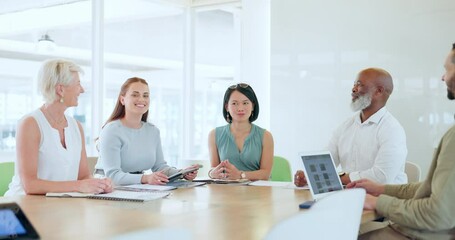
(54, 72)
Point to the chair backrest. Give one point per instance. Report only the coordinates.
(413, 171)
(91, 161)
(281, 170)
(336, 216)
(6, 175)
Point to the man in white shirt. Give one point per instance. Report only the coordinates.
(372, 143)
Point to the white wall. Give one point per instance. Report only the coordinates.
(318, 47)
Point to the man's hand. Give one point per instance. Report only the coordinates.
(371, 187)
(300, 179)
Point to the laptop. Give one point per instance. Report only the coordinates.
(320, 173)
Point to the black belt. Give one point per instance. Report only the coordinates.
(137, 172)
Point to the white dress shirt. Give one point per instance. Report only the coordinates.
(375, 149)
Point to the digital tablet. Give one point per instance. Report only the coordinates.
(182, 173)
(14, 224)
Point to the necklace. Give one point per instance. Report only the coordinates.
(56, 122)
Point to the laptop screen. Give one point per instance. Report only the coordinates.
(321, 173)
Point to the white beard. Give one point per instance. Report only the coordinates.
(361, 102)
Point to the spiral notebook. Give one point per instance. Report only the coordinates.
(116, 195)
(144, 188)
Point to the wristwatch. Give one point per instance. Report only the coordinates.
(242, 175)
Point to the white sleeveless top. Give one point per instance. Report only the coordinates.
(55, 163)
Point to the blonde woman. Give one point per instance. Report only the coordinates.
(50, 145)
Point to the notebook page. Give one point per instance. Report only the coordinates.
(119, 195)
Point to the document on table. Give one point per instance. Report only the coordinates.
(116, 195)
(276, 184)
(223, 181)
(145, 188)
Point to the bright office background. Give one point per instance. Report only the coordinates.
(188, 51)
(300, 56)
(318, 47)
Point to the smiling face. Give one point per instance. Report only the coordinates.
(136, 99)
(71, 92)
(449, 75)
(239, 107)
(362, 92)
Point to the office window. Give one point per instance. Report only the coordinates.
(151, 45)
(145, 39)
(64, 31)
(217, 53)
(141, 38)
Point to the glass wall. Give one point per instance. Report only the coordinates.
(141, 38)
(31, 32)
(217, 53)
(146, 41)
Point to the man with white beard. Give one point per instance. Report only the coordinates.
(372, 143)
(422, 210)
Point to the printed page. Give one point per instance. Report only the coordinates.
(276, 184)
(231, 181)
(69, 194)
(130, 196)
(145, 188)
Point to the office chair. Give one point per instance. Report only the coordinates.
(6, 175)
(413, 171)
(281, 171)
(91, 162)
(336, 216)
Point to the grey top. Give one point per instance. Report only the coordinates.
(124, 150)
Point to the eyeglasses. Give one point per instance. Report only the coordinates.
(242, 85)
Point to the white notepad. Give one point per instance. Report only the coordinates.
(145, 188)
(116, 195)
(263, 183)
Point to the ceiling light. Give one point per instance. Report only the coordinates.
(46, 44)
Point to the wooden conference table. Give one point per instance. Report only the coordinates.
(208, 212)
